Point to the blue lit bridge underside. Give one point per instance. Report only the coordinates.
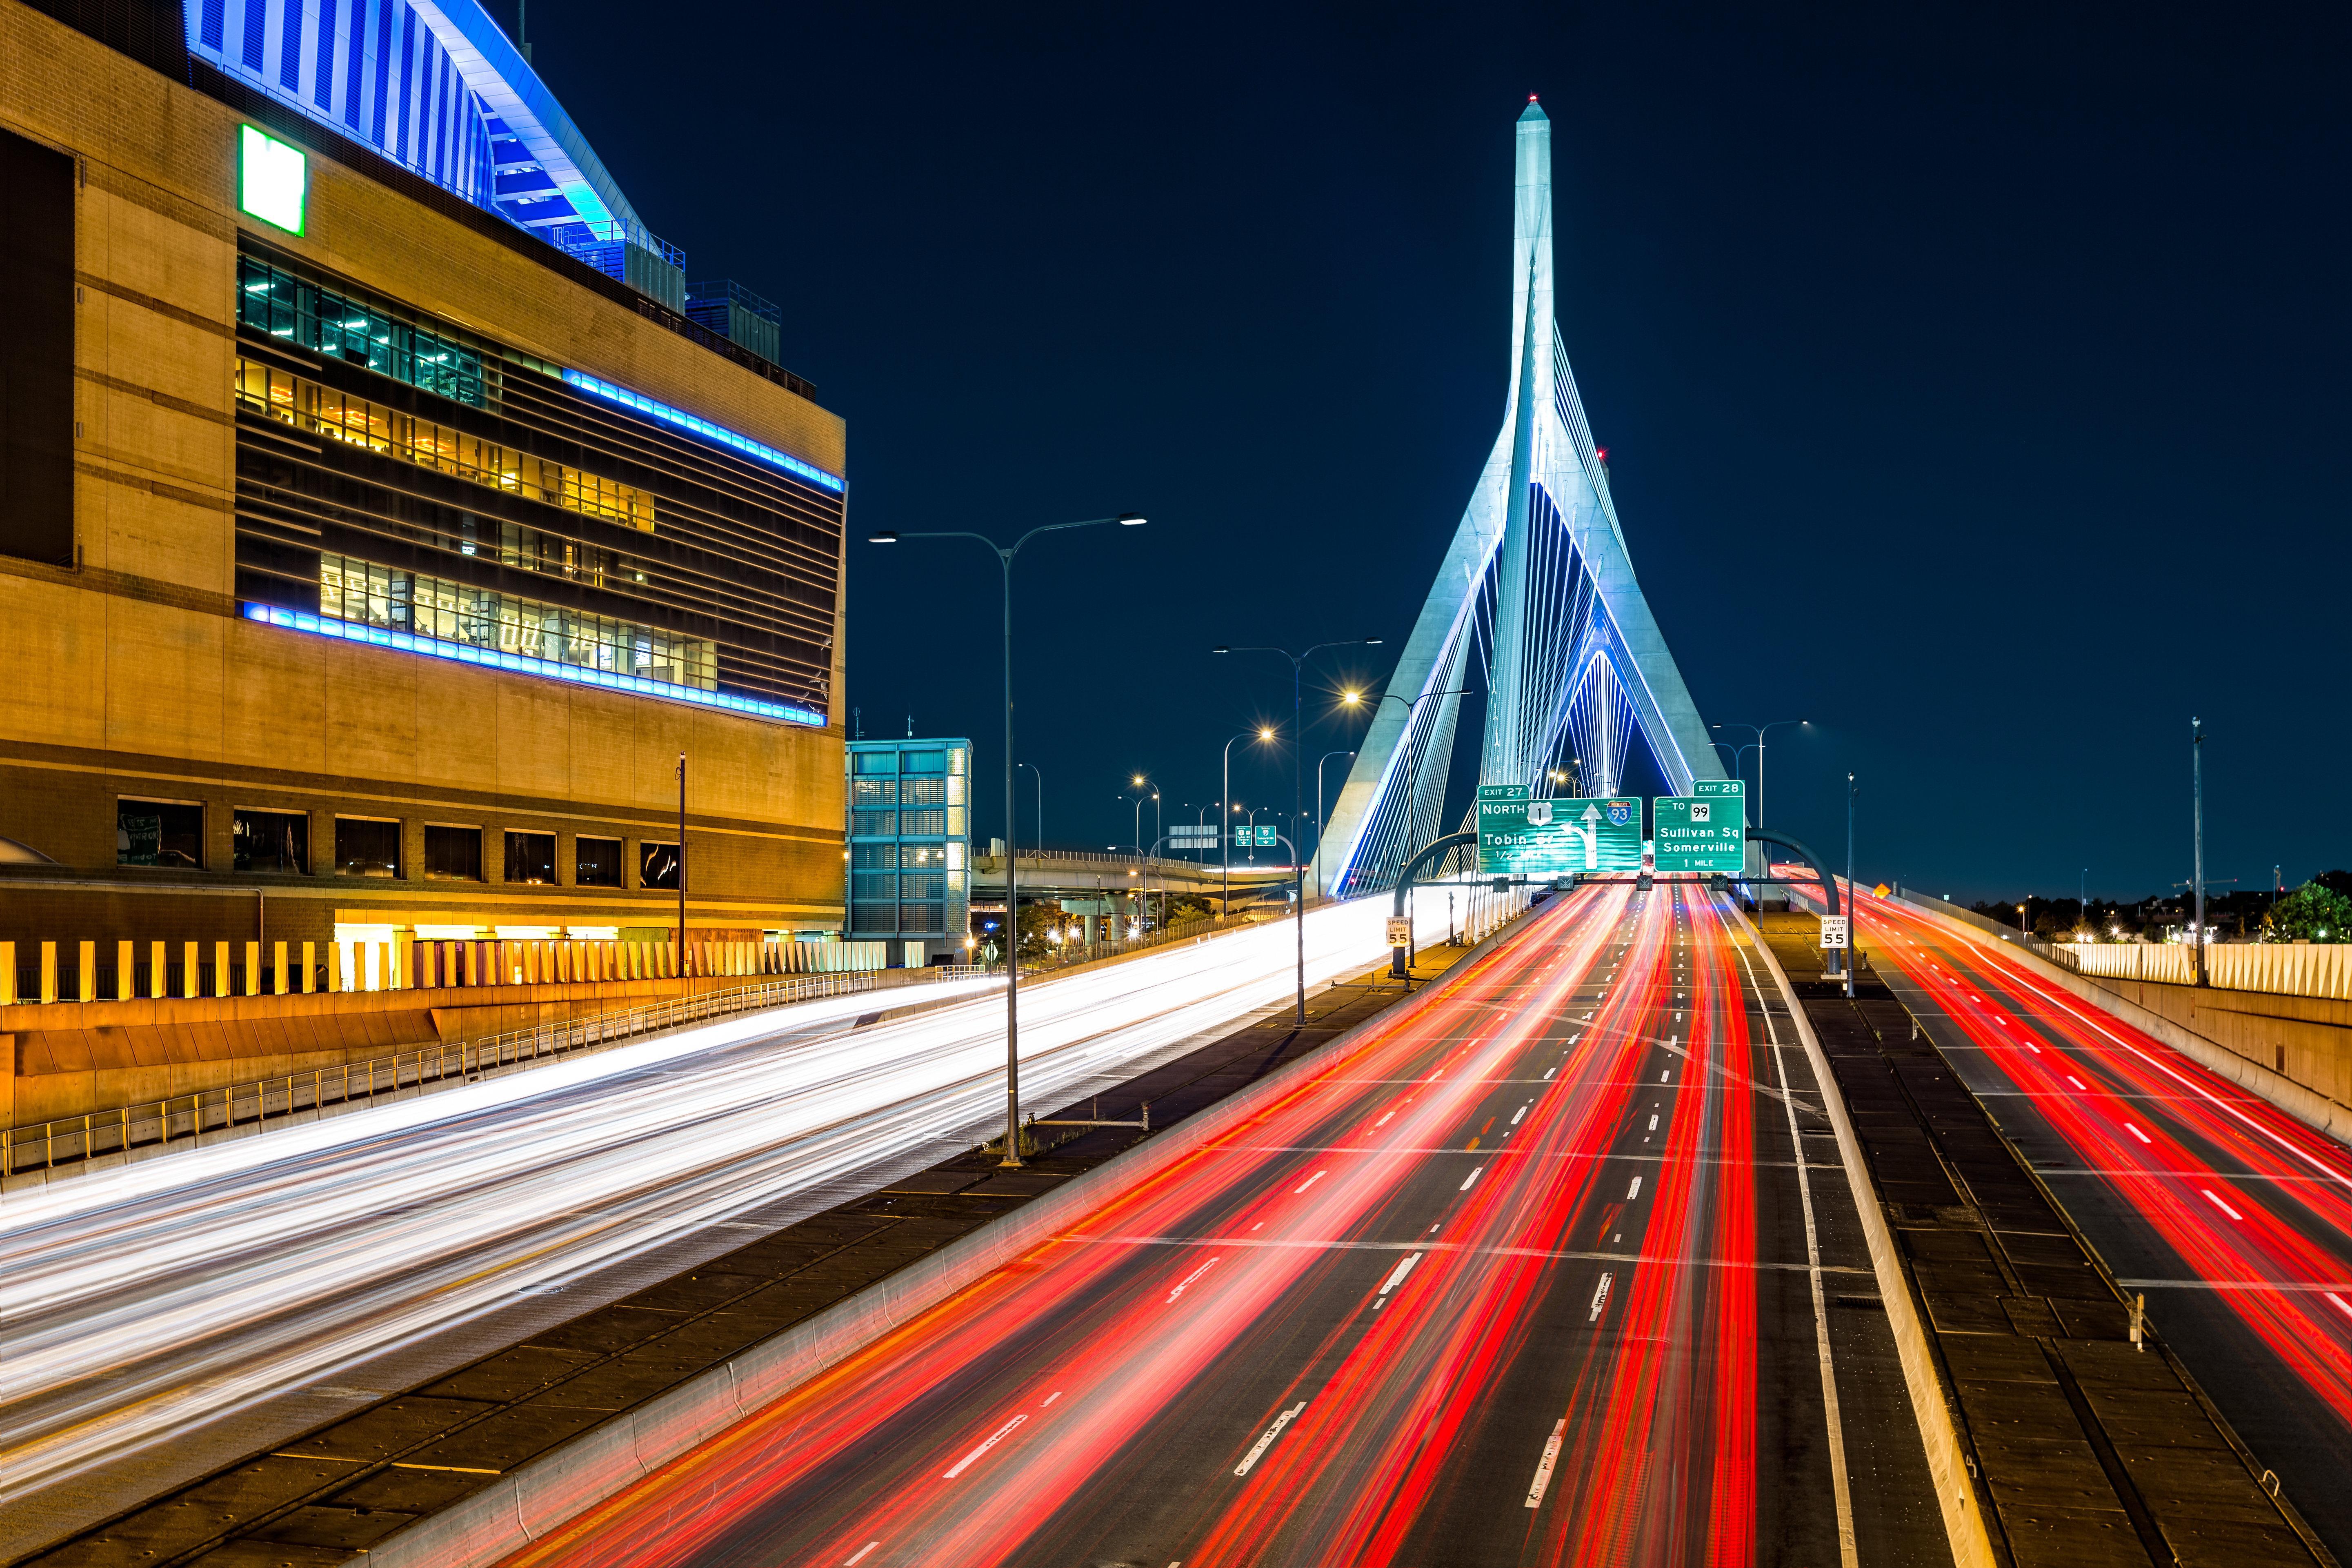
(521, 664)
(1535, 606)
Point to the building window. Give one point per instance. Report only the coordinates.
(933, 823)
(368, 846)
(325, 322)
(530, 857)
(656, 865)
(875, 762)
(923, 792)
(159, 832)
(596, 863)
(271, 841)
(873, 857)
(923, 761)
(356, 422)
(873, 824)
(367, 595)
(452, 854)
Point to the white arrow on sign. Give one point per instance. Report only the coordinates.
(1592, 850)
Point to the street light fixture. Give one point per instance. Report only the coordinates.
(1297, 763)
(1004, 554)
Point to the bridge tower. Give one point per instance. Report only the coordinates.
(1535, 605)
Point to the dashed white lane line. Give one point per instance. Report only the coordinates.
(1382, 1122)
(1468, 1179)
(1599, 1299)
(2078, 1083)
(2341, 1304)
(1258, 1452)
(1310, 1181)
(1186, 1281)
(1654, 1124)
(1544, 1467)
(1397, 1274)
(1520, 1113)
(2136, 1133)
(992, 1439)
(1634, 1191)
(860, 1557)
(2224, 1208)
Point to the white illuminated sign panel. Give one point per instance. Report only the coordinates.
(272, 178)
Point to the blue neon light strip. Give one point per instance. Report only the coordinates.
(491, 658)
(702, 427)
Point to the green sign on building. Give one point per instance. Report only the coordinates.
(1520, 837)
(1706, 830)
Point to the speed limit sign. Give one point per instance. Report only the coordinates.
(1834, 931)
(1400, 931)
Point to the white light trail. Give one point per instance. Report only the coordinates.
(139, 1303)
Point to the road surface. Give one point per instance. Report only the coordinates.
(2233, 1219)
(1533, 1275)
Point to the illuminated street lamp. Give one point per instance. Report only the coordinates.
(1004, 554)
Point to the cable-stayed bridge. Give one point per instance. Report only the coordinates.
(1535, 606)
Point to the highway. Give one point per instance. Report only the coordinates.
(140, 1304)
(1531, 1275)
(2232, 1217)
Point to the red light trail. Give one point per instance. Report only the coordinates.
(1487, 1280)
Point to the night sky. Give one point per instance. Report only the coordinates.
(1978, 377)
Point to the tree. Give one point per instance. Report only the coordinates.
(2312, 912)
(2339, 881)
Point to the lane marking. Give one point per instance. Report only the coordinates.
(1634, 1191)
(1310, 1181)
(1841, 1487)
(1667, 1074)
(1190, 1278)
(993, 1438)
(1058, 1392)
(1382, 1122)
(2341, 1304)
(1550, 1458)
(2136, 1133)
(1284, 1420)
(1599, 1299)
(1654, 1122)
(1473, 1176)
(2224, 1208)
(1397, 1274)
(1522, 1110)
(2078, 1083)
(853, 1562)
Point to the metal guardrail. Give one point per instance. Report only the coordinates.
(46, 1145)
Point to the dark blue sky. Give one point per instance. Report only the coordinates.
(1990, 366)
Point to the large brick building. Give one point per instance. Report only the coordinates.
(382, 512)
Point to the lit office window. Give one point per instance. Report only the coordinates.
(355, 420)
(657, 865)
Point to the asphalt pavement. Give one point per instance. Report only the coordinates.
(1555, 1269)
(2233, 1219)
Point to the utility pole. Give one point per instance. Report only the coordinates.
(2197, 788)
(1852, 916)
(681, 873)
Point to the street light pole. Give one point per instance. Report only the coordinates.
(1225, 823)
(1297, 765)
(1318, 815)
(1854, 919)
(1759, 730)
(1004, 555)
(2197, 783)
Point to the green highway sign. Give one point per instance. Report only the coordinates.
(1518, 836)
(1706, 830)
